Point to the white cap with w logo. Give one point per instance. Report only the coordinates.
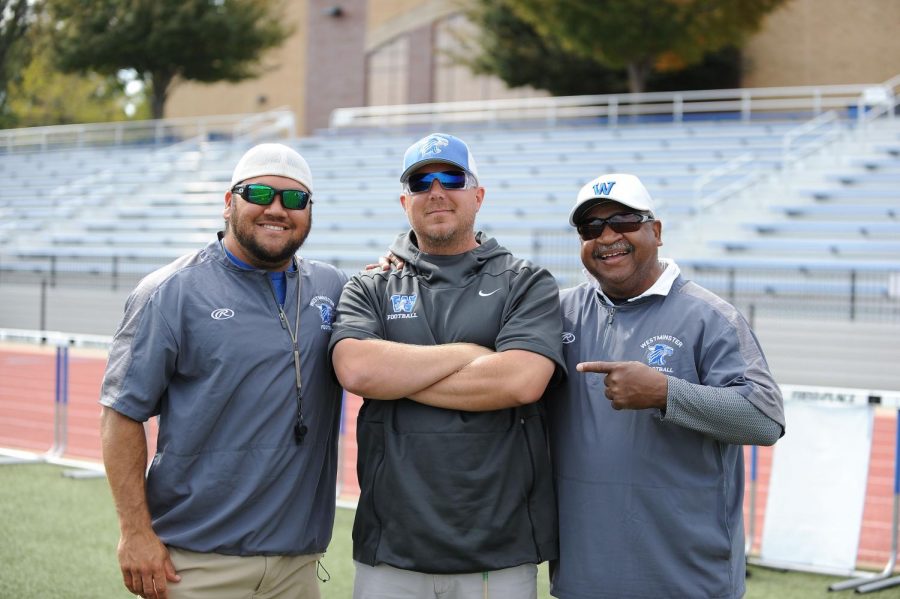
(614, 187)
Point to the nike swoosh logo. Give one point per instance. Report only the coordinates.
(483, 294)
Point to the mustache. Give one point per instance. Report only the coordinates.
(619, 246)
(275, 221)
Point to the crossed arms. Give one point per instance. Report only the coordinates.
(458, 376)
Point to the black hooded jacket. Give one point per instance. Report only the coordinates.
(447, 491)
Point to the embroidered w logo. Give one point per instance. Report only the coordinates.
(403, 303)
(603, 189)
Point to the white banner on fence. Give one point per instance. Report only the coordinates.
(818, 484)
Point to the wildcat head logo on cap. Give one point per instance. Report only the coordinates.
(438, 148)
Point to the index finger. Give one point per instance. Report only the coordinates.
(602, 367)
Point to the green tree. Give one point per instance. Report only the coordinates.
(639, 37)
(165, 41)
(43, 95)
(506, 46)
(15, 19)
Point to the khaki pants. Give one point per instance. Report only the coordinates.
(216, 576)
(387, 582)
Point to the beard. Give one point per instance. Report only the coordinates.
(448, 238)
(439, 240)
(263, 257)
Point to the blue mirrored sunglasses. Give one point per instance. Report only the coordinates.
(448, 179)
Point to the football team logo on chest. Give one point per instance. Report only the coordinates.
(326, 310)
(659, 348)
(656, 355)
(403, 306)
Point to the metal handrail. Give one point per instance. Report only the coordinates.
(262, 124)
(273, 124)
(703, 201)
(866, 115)
(791, 153)
(744, 101)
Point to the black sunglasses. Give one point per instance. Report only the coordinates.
(448, 180)
(625, 222)
(263, 195)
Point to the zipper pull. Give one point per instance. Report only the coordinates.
(609, 316)
(281, 318)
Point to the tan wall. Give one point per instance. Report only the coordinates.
(336, 65)
(823, 42)
(282, 84)
(382, 11)
(390, 18)
(805, 42)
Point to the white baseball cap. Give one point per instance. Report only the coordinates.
(614, 187)
(272, 159)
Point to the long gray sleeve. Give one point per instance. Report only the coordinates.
(719, 412)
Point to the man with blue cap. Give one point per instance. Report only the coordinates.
(451, 353)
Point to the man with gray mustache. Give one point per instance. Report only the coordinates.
(647, 442)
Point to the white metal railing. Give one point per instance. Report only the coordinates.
(796, 144)
(704, 200)
(274, 124)
(871, 104)
(266, 125)
(747, 102)
(810, 137)
(877, 102)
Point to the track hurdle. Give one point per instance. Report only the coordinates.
(60, 416)
(61, 403)
(860, 400)
(54, 455)
(751, 532)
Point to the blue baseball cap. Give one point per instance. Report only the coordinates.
(438, 147)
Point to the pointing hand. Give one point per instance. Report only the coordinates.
(630, 385)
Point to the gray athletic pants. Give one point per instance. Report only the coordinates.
(386, 582)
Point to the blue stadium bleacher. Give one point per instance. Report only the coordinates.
(107, 208)
(792, 236)
(140, 203)
(837, 214)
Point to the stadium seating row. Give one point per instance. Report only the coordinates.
(144, 204)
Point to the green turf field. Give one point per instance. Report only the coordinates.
(58, 540)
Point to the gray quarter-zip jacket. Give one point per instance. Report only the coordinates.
(648, 506)
(202, 346)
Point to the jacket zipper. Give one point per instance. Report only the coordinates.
(531, 464)
(610, 314)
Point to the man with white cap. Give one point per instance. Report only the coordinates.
(228, 347)
(451, 352)
(667, 382)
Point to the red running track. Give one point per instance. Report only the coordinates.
(27, 392)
